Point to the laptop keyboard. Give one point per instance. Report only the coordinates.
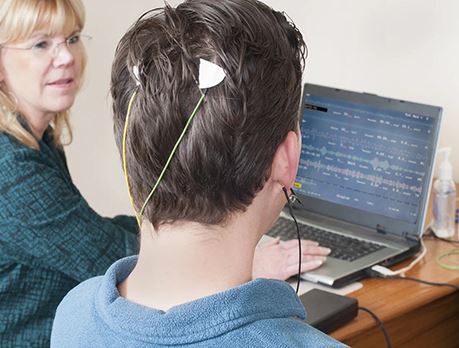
(342, 247)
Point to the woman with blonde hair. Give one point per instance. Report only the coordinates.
(50, 238)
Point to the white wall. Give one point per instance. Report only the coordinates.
(406, 49)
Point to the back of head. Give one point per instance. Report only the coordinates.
(226, 154)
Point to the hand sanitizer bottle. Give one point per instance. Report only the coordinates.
(444, 199)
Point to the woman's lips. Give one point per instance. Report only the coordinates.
(61, 83)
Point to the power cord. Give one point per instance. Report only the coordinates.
(377, 272)
(380, 324)
(388, 272)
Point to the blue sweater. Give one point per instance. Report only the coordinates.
(261, 313)
(50, 239)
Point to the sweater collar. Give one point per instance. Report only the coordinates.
(198, 320)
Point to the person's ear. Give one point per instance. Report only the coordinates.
(285, 161)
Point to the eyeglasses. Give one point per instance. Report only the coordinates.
(47, 47)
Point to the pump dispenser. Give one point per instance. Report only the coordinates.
(444, 198)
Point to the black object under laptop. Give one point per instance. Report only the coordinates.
(327, 311)
(364, 177)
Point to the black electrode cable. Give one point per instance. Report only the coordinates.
(380, 324)
(289, 204)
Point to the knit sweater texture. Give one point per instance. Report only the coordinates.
(50, 239)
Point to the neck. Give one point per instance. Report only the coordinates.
(38, 122)
(185, 261)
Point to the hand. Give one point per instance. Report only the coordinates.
(279, 260)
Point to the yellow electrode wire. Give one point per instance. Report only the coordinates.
(126, 122)
(139, 219)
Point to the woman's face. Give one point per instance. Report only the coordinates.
(43, 73)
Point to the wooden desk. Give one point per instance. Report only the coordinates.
(414, 314)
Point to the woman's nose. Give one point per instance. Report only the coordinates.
(62, 55)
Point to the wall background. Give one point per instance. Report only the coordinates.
(406, 49)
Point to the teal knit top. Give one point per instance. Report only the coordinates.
(50, 239)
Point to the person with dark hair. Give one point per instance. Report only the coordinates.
(206, 101)
(50, 237)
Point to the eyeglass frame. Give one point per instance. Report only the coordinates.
(55, 47)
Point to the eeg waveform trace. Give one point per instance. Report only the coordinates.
(364, 157)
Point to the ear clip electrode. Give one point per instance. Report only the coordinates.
(291, 199)
(210, 75)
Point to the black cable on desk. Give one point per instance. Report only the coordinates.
(380, 324)
(372, 273)
(455, 287)
(431, 233)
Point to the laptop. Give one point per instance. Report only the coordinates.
(364, 179)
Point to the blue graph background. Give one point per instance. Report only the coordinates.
(364, 157)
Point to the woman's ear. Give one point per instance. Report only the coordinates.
(285, 162)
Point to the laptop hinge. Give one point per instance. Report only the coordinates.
(411, 237)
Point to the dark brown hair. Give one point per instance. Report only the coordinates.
(226, 155)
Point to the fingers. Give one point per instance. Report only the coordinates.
(308, 247)
(293, 259)
(284, 258)
(293, 243)
(292, 270)
(315, 250)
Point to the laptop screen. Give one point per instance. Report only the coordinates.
(367, 153)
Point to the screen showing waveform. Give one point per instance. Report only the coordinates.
(364, 157)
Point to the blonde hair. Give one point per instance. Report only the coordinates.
(18, 20)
